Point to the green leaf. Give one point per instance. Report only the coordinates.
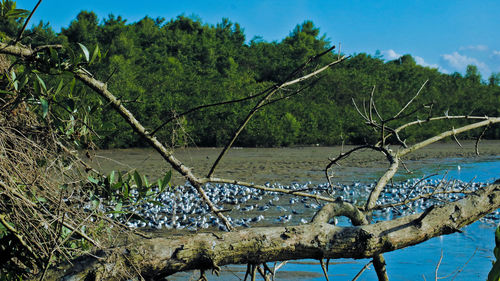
(125, 191)
(138, 180)
(162, 184)
(59, 87)
(14, 80)
(494, 274)
(497, 237)
(45, 107)
(6, 92)
(17, 13)
(72, 87)
(42, 84)
(85, 52)
(112, 177)
(96, 53)
(118, 207)
(24, 82)
(54, 56)
(92, 180)
(117, 185)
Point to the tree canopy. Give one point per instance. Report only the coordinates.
(163, 68)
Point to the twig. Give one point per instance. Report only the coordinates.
(371, 105)
(487, 122)
(476, 145)
(456, 140)
(325, 272)
(266, 97)
(437, 266)
(18, 236)
(30, 203)
(362, 270)
(265, 188)
(26, 22)
(411, 100)
(465, 264)
(208, 106)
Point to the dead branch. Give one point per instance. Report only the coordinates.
(266, 98)
(160, 257)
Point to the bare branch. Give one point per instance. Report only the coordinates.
(476, 145)
(359, 111)
(488, 121)
(208, 106)
(341, 156)
(362, 270)
(382, 182)
(448, 117)
(371, 105)
(325, 272)
(267, 97)
(270, 189)
(411, 100)
(340, 208)
(26, 22)
(24, 52)
(437, 266)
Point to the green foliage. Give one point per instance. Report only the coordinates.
(494, 274)
(10, 19)
(160, 69)
(118, 193)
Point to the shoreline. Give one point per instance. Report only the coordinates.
(284, 165)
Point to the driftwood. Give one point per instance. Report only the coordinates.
(160, 257)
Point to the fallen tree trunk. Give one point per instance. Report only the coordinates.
(163, 256)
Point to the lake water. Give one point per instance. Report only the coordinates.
(466, 256)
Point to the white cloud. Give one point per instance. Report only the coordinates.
(391, 54)
(474, 48)
(459, 62)
(495, 54)
(422, 62)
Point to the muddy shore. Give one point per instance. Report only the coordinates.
(284, 165)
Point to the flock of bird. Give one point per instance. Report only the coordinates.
(182, 207)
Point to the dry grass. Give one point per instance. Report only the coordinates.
(45, 214)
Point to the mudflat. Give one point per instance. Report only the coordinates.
(286, 165)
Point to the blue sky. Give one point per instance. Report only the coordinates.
(444, 34)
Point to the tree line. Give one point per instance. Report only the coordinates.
(162, 68)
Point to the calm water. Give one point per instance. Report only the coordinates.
(470, 252)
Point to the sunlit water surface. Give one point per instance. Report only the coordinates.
(465, 256)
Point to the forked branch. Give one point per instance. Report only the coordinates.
(268, 95)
